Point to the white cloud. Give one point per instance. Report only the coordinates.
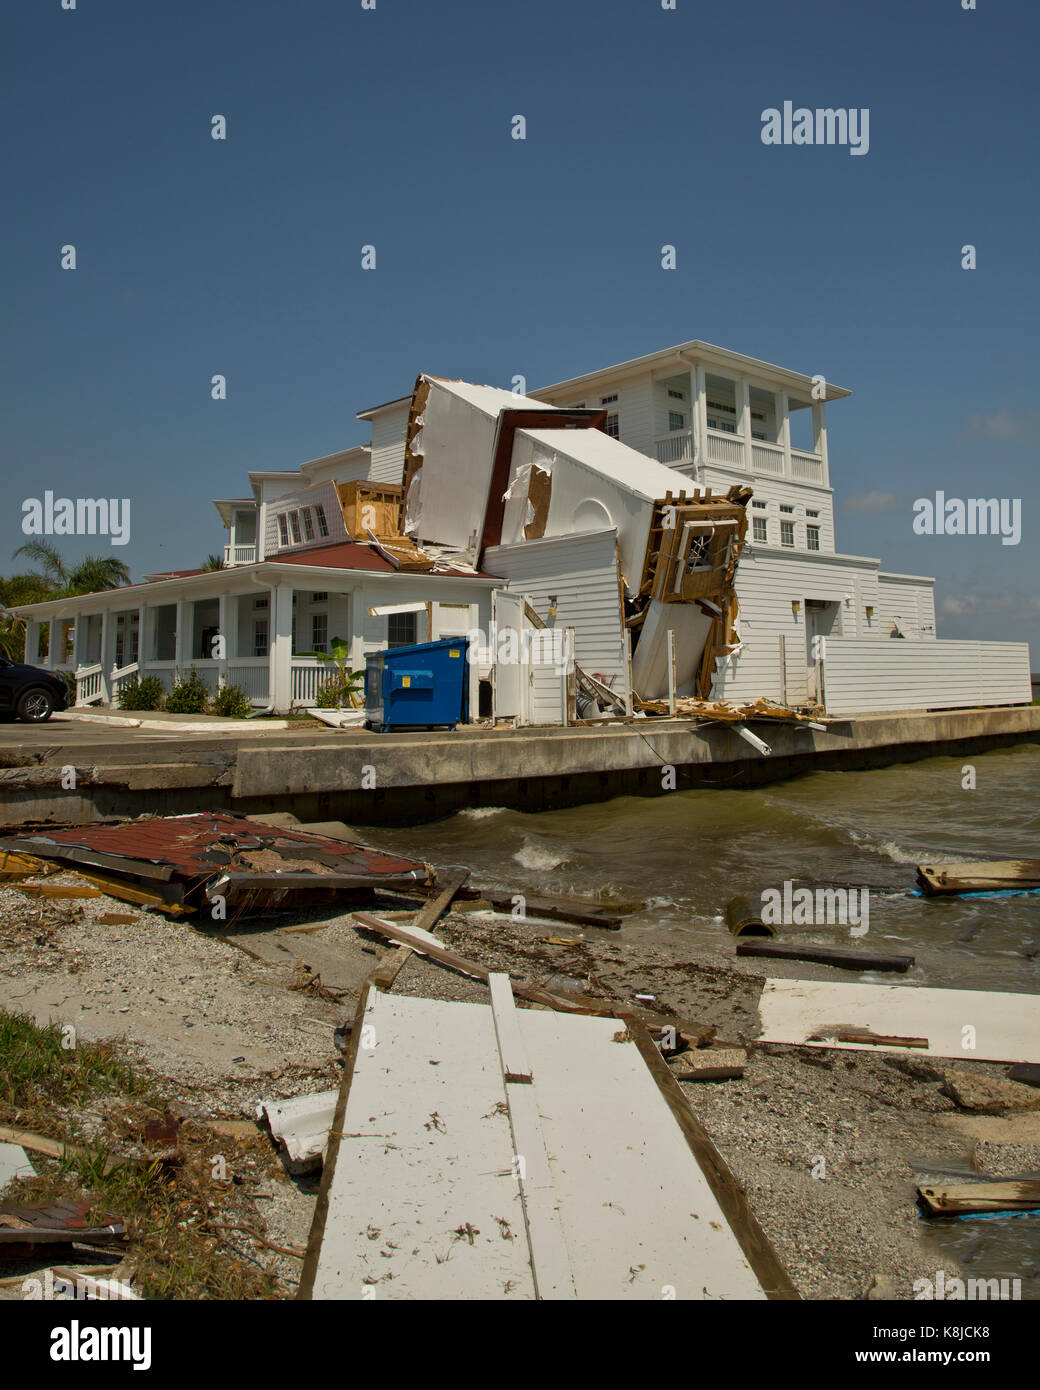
(1004, 604)
(1004, 426)
(874, 502)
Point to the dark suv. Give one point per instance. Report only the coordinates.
(30, 692)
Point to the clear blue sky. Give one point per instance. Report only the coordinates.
(497, 256)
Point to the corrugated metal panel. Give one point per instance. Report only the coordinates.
(197, 846)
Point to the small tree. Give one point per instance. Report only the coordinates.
(343, 685)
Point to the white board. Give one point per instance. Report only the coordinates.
(425, 1200)
(1003, 1027)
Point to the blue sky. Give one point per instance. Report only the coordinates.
(496, 256)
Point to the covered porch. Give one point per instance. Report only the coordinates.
(245, 629)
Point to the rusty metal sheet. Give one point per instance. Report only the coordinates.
(199, 846)
(58, 1223)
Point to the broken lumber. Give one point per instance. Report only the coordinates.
(57, 890)
(983, 877)
(14, 865)
(116, 888)
(965, 1198)
(839, 956)
(393, 962)
(54, 1148)
(864, 1035)
(697, 1034)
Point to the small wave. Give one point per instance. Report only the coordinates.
(481, 812)
(539, 857)
(898, 853)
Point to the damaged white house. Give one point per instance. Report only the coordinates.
(669, 520)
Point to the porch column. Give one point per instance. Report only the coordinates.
(701, 414)
(784, 415)
(75, 644)
(32, 641)
(742, 391)
(142, 618)
(53, 628)
(280, 647)
(106, 669)
(222, 633)
(819, 425)
(178, 641)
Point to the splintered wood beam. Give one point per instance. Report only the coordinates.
(394, 961)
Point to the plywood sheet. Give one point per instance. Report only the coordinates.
(1004, 1027)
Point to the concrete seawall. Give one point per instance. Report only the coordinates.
(369, 779)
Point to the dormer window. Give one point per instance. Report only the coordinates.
(294, 528)
(283, 529)
(323, 525)
(308, 524)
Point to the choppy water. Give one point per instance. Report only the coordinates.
(686, 854)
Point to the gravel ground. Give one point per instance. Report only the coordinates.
(824, 1141)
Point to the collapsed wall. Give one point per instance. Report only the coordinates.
(488, 470)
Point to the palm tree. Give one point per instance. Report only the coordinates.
(214, 562)
(19, 589)
(93, 574)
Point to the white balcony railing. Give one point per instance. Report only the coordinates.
(239, 554)
(678, 449)
(252, 674)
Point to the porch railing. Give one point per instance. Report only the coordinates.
(307, 677)
(239, 554)
(90, 684)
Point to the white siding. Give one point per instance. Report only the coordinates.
(774, 491)
(867, 676)
(582, 572)
(387, 461)
(324, 494)
(767, 582)
(908, 600)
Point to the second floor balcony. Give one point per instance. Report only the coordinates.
(239, 555)
(678, 449)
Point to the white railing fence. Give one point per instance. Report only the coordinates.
(90, 684)
(307, 677)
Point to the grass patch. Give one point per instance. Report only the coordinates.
(170, 1207)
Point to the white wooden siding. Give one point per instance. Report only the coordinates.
(905, 599)
(864, 676)
(582, 572)
(802, 496)
(387, 462)
(767, 583)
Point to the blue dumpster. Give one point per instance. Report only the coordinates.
(421, 687)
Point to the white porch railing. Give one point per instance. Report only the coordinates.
(307, 676)
(90, 684)
(239, 554)
(678, 449)
(251, 674)
(122, 675)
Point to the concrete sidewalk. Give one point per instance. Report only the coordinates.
(172, 723)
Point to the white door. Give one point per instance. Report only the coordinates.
(509, 675)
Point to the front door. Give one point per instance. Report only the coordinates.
(508, 675)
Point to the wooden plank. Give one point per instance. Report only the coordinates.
(57, 890)
(729, 1194)
(965, 1198)
(696, 1033)
(53, 1148)
(981, 877)
(838, 956)
(515, 1066)
(115, 888)
(639, 1214)
(1004, 1027)
(423, 1200)
(14, 865)
(393, 962)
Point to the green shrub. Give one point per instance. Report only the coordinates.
(189, 695)
(145, 692)
(232, 702)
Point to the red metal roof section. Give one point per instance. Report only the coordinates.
(348, 555)
(200, 845)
